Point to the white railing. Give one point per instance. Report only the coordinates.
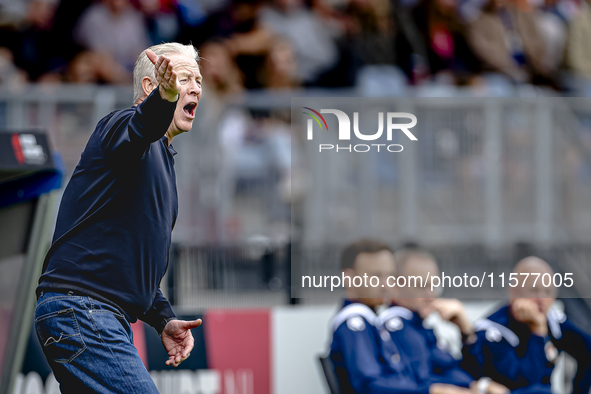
(492, 171)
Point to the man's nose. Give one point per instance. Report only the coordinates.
(195, 88)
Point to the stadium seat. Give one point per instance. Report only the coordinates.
(329, 374)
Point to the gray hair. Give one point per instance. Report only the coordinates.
(145, 68)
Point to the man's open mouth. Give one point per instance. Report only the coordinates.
(189, 109)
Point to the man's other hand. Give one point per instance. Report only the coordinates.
(453, 311)
(166, 76)
(178, 340)
(527, 312)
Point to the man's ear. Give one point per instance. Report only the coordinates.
(148, 84)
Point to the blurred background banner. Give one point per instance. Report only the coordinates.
(488, 181)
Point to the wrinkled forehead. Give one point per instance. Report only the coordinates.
(185, 64)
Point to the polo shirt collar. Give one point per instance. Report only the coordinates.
(170, 148)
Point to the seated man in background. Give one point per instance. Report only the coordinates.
(518, 344)
(365, 357)
(413, 302)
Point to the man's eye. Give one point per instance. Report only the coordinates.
(184, 80)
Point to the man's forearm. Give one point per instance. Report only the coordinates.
(153, 117)
(129, 137)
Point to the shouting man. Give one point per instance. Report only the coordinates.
(113, 233)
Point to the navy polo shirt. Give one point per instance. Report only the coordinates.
(113, 230)
(508, 352)
(366, 357)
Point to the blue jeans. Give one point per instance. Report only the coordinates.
(89, 346)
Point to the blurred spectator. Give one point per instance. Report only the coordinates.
(252, 151)
(447, 46)
(280, 70)
(506, 38)
(370, 31)
(405, 320)
(32, 42)
(518, 345)
(247, 42)
(222, 80)
(193, 21)
(312, 39)
(432, 42)
(237, 16)
(161, 19)
(91, 67)
(115, 27)
(9, 73)
(12, 11)
(66, 17)
(552, 17)
(579, 50)
(410, 44)
(220, 74)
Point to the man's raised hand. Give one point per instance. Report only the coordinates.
(165, 76)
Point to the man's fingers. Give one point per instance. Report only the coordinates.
(152, 56)
(176, 360)
(167, 72)
(158, 66)
(189, 325)
(162, 66)
(186, 352)
(172, 361)
(166, 77)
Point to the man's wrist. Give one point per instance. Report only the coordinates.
(165, 95)
(164, 323)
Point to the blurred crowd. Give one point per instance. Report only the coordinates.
(283, 44)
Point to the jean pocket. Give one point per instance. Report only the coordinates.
(60, 336)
